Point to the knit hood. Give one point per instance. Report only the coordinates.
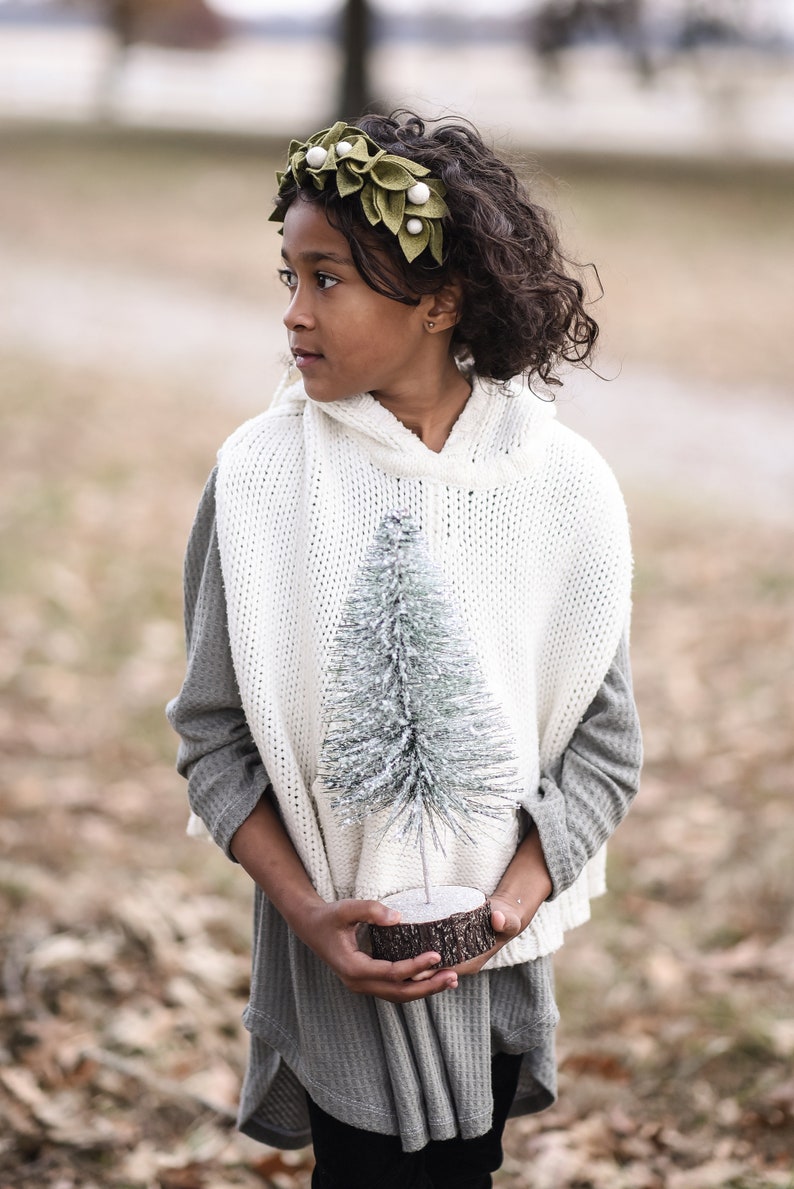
(496, 440)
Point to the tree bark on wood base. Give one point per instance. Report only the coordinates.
(457, 938)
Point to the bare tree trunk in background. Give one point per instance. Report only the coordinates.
(355, 33)
(120, 20)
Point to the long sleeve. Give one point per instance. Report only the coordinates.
(583, 799)
(217, 755)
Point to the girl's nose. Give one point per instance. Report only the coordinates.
(298, 314)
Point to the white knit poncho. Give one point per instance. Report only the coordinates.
(527, 524)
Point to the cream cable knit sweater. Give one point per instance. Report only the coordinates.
(528, 525)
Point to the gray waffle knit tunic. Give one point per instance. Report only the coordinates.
(419, 1070)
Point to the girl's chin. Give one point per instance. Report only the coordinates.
(324, 397)
(321, 394)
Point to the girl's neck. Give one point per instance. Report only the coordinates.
(431, 413)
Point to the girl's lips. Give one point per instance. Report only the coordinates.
(305, 358)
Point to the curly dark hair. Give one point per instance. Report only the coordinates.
(522, 311)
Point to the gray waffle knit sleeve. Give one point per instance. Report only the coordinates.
(583, 799)
(224, 771)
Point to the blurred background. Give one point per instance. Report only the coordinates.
(140, 323)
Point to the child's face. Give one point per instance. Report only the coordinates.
(344, 337)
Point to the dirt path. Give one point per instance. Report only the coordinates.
(691, 442)
(667, 438)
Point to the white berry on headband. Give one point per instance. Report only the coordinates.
(418, 194)
(315, 156)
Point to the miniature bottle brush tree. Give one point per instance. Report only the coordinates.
(414, 734)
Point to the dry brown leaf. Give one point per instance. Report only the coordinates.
(218, 1083)
(714, 1174)
(68, 954)
(18, 1121)
(192, 1176)
(22, 1084)
(600, 1065)
(142, 1027)
(271, 1164)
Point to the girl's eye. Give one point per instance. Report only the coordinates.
(323, 279)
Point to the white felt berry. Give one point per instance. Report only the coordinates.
(343, 148)
(315, 156)
(418, 194)
(414, 226)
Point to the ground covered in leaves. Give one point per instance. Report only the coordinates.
(124, 945)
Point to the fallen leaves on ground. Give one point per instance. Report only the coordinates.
(124, 948)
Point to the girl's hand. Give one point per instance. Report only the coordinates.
(509, 917)
(262, 847)
(330, 930)
(522, 889)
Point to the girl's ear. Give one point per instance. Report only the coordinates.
(445, 308)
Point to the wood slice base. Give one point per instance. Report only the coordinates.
(456, 935)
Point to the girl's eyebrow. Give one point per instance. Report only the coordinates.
(309, 257)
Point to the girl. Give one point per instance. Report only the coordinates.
(426, 292)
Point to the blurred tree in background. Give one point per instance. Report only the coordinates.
(355, 35)
(557, 25)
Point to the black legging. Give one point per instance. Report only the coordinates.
(349, 1158)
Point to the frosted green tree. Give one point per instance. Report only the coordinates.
(412, 728)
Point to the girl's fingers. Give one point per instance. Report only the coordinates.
(424, 964)
(366, 912)
(436, 983)
(419, 987)
(397, 981)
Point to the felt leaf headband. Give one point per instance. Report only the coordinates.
(393, 190)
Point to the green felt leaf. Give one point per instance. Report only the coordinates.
(347, 182)
(436, 242)
(368, 205)
(359, 152)
(392, 207)
(362, 169)
(331, 135)
(434, 208)
(391, 175)
(413, 245)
